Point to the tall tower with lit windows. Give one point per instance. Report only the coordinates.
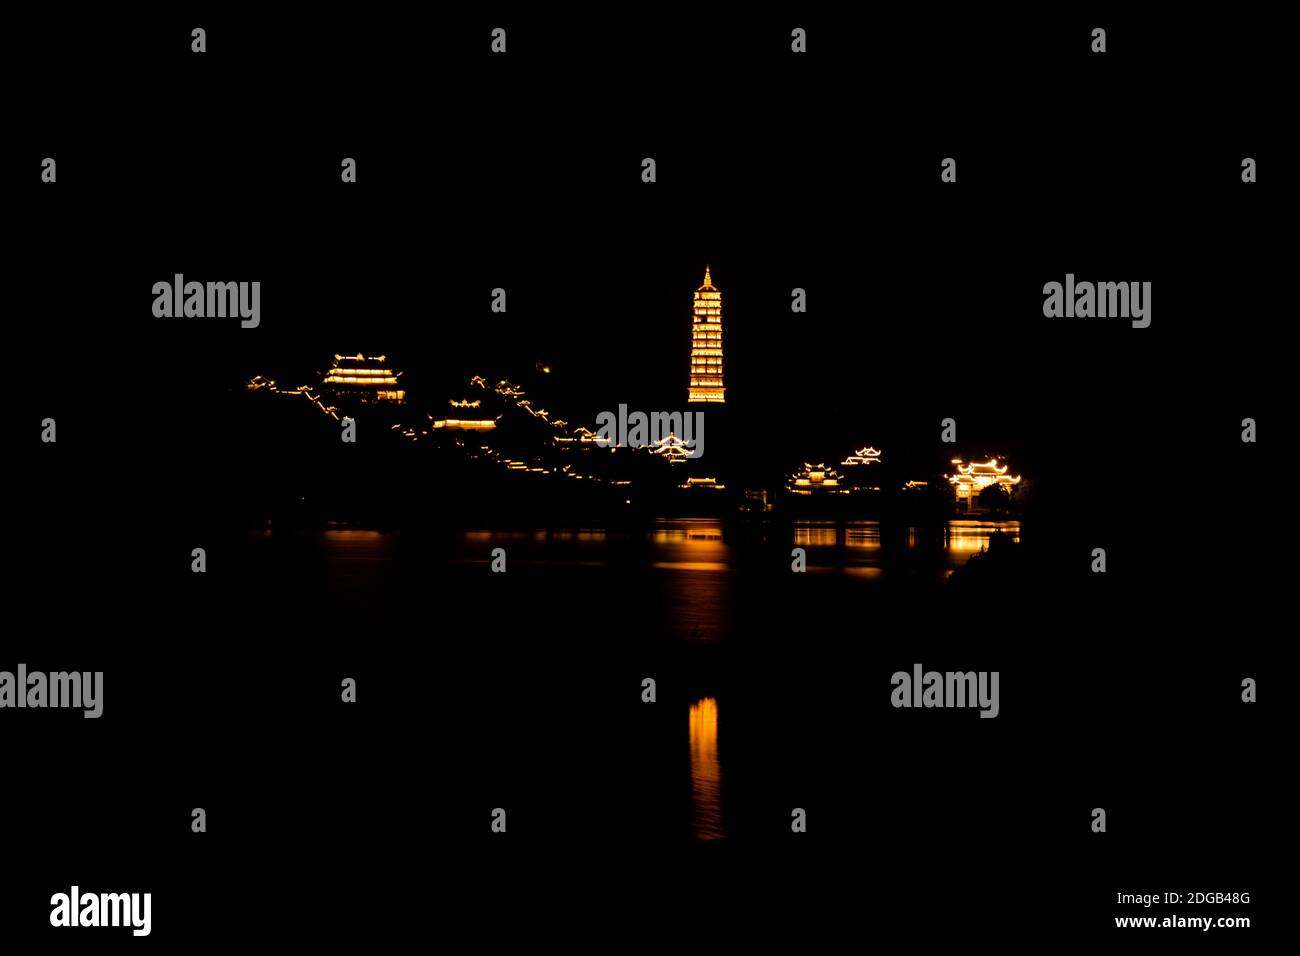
(706, 345)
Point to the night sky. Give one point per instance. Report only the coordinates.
(924, 302)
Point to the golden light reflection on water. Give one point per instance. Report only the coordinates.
(965, 537)
(357, 562)
(495, 535)
(862, 534)
(691, 565)
(667, 532)
(578, 535)
(808, 535)
(862, 546)
(706, 771)
(870, 573)
(690, 545)
(857, 534)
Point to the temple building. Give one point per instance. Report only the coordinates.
(672, 449)
(363, 377)
(465, 415)
(972, 477)
(706, 344)
(708, 483)
(815, 478)
(863, 456)
(862, 470)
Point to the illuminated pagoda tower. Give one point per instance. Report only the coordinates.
(706, 345)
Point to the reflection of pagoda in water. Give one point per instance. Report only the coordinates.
(972, 477)
(706, 771)
(363, 377)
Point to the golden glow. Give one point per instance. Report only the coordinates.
(465, 424)
(367, 372)
(863, 456)
(706, 770)
(815, 478)
(672, 448)
(688, 530)
(862, 534)
(814, 536)
(706, 344)
(967, 537)
(691, 544)
(867, 571)
(989, 467)
(973, 477)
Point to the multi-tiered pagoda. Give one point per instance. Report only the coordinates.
(363, 377)
(706, 345)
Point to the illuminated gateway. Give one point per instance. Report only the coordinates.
(972, 477)
(364, 377)
(706, 344)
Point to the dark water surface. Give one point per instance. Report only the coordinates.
(756, 668)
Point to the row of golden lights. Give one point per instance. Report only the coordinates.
(970, 475)
(504, 388)
(978, 474)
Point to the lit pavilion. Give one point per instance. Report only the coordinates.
(815, 478)
(673, 449)
(464, 415)
(365, 377)
(972, 477)
(863, 456)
